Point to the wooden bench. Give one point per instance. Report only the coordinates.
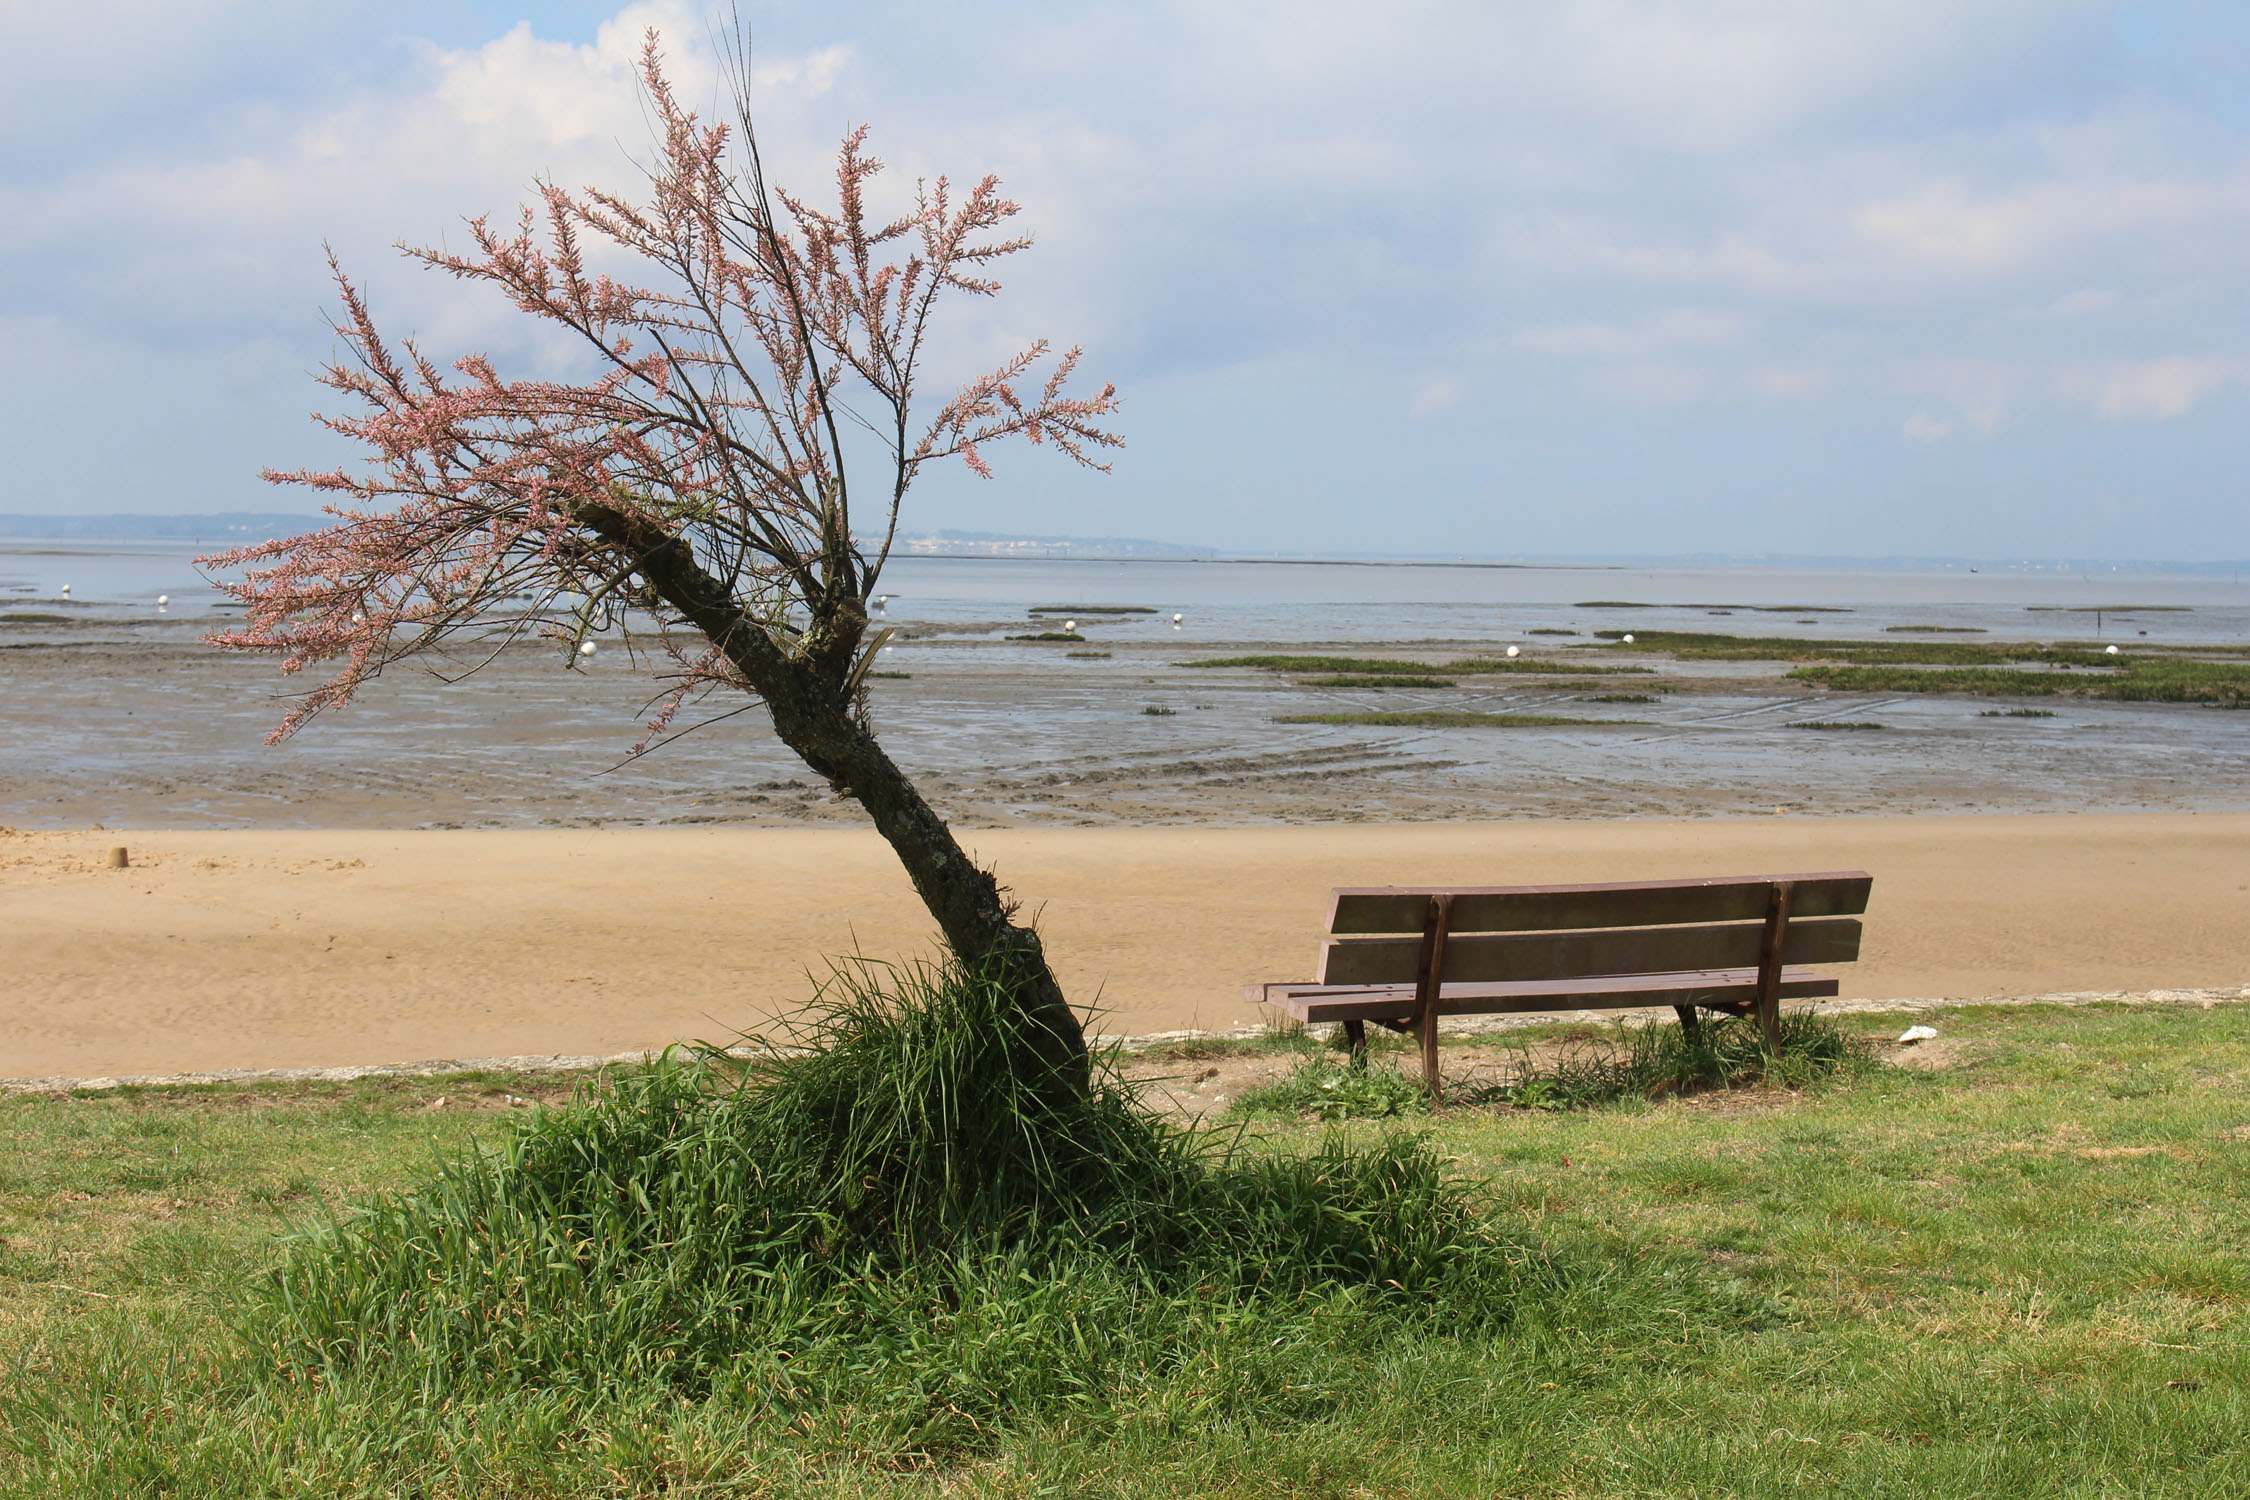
(1403, 956)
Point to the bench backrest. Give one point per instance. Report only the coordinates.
(1540, 932)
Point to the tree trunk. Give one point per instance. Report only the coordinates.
(813, 715)
(964, 898)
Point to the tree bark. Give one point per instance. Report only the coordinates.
(965, 899)
(812, 712)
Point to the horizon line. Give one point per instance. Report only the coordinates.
(1114, 549)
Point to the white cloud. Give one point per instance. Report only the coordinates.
(1700, 80)
(1674, 329)
(1792, 382)
(1435, 397)
(2081, 302)
(1980, 394)
(1987, 213)
(1573, 247)
(1947, 226)
(232, 241)
(1656, 384)
(2149, 390)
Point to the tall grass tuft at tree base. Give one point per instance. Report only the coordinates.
(915, 1220)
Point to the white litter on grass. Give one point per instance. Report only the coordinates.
(1913, 1034)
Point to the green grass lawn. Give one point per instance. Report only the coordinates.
(2024, 1273)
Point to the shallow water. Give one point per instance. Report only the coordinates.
(111, 712)
(1368, 602)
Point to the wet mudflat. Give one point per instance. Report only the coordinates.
(137, 724)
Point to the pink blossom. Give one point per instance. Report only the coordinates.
(727, 372)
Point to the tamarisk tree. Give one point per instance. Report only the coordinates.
(695, 484)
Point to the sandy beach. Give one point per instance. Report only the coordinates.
(276, 949)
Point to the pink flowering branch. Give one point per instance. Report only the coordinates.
(723, 373)
(695, 485)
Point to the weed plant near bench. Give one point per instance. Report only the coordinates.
(1638, 1060)
(1330, 1088)
(1647, 1060)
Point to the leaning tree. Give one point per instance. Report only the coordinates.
(695, 486)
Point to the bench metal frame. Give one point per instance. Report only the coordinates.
(1735, 945)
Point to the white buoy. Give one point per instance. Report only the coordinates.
(2109, 651)
(358, 618)
(1628, 638)
(1177, 618)
(881, 600)
(585, 648)
(1070, 624)
(1512, 653)
(66, 591)
(162, 600)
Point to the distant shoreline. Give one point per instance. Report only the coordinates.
(244, 528)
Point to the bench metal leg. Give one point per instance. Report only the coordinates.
(1429, 982)
(1355, 1033)
(1691, 1024)
(1770, 954)
(1428, 1037)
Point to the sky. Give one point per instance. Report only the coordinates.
(1582, 277)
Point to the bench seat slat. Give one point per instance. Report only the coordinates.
(1715, 988)
(1548, 908)
(1543, 956)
